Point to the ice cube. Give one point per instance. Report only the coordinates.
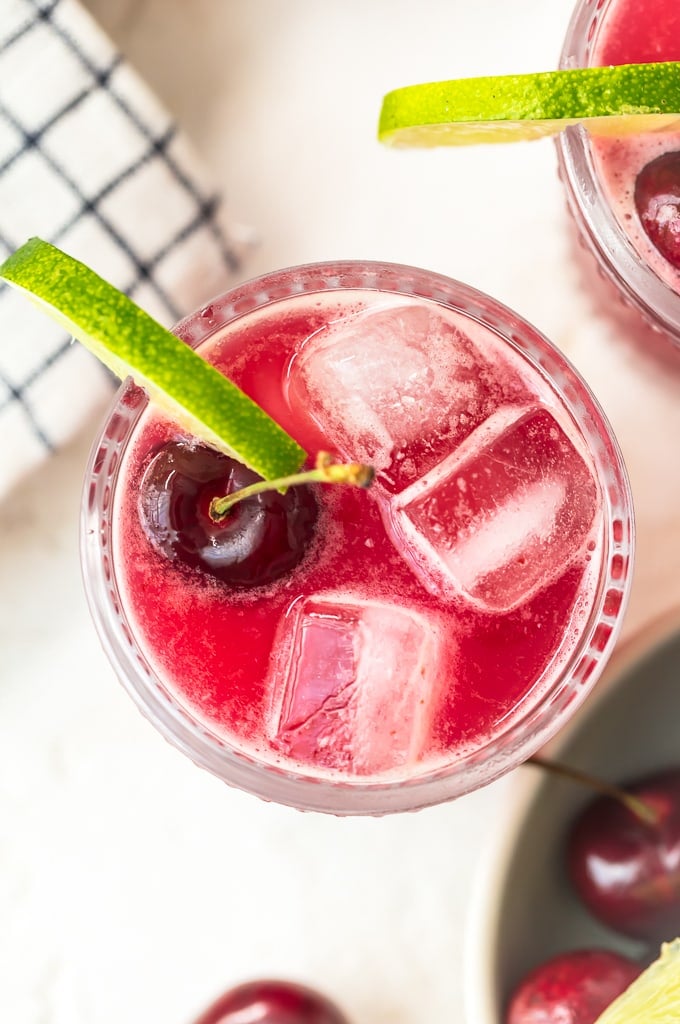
(354, 684)
(502, 517)
(398, 385)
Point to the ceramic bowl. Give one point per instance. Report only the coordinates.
(523, 910)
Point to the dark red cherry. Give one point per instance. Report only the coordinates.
(657, 201)
(272, 1002)
(261, 539)
(572, 988)
(627, 871)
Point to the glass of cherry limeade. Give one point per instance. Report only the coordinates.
(363, 651)
(624, 192)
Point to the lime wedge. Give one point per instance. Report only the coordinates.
(654, 996)
(130, 342)
(611, 100)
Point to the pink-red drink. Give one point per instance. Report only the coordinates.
(427, 632)
(625, 192)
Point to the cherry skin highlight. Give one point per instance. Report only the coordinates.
(572, 988)
(262, 537)
(625, 870)
(272, 1002)
(657, 201)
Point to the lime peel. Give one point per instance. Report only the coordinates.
(130, 342)
(614, 100)
(654, 996)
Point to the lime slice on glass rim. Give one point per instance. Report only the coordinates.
(614, 100)
(132, 343)
(654, 996)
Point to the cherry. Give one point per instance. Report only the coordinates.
(572, 988)
(657, 201)
(627, 870)
(262, 537)
(272, 1002)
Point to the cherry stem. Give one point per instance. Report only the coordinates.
(325, 472)
(642, 810)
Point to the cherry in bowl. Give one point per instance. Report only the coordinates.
(625, 867)
(571, 988)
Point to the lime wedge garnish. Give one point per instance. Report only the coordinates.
(131, 343)
(654, 996)
(611, 100)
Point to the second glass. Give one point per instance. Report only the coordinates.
(614, 185)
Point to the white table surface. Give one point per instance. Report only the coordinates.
(132, 885)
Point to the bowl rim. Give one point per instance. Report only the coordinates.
(522, 789)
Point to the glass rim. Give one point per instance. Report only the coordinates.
(617, 257)
(529, 728)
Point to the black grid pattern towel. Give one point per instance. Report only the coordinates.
(90, 161)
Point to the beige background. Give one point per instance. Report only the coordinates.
(132, 886)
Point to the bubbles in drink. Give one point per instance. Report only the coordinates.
(355, 683)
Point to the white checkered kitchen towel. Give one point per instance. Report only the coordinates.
(90, 161)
